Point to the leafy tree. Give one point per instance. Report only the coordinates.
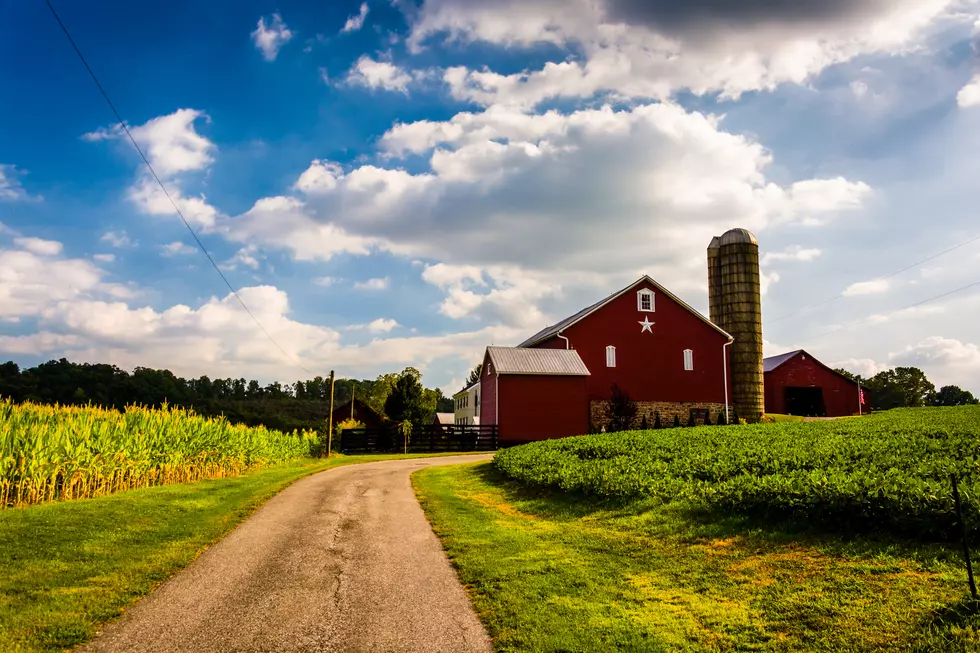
(899, 387)
(406, 402)
(952, 395)
(850, 375)
(621, 410)
(474, 376)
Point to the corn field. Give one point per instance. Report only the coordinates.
(52, 453)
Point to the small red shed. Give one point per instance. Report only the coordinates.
(360, 411)
(534, 394)
(796, 383)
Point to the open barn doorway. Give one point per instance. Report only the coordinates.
(807, 402)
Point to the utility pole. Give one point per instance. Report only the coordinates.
(330, 419)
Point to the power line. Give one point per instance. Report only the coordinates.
(887, 276)
(125, 128)
(897, 310)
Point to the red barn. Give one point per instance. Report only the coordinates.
(668, 357)
(796, 383)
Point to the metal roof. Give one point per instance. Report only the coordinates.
(445, 418)
(771, 363)
(555, 329)
(519, 360)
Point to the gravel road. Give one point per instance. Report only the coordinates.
(343, 560)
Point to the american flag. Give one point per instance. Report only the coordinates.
(861, 393)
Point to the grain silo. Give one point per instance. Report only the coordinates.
(735, 304)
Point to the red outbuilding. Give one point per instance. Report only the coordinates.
(796, 383)
(668, 357)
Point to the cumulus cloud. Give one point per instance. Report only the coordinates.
(522, 192)
(873, 287)
(356, 21)
(174, 148)
(651, 49)
(39, 246)
(11, 189)
(865, 367)
(117, 239)
(945, 360)
(794, 253)
(969, 95)
(34, 277)
(379, 283)
(269, 39)
(383, 75)
(176, 248)
(380, 325)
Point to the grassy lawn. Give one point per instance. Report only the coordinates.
(67, 567)
(552, 573)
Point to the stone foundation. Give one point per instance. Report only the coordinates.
(667, 410)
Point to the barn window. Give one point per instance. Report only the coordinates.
(644, 300)
(610, 356)
(688, 359)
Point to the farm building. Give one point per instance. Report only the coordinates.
(358, 410)
(796, 383)
(466, 405)
(443, 419)
(668, 357)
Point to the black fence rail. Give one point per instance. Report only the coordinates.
(427, 439)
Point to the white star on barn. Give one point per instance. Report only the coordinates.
(646, 324)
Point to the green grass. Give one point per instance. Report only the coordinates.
(552, 572)
(67, 567)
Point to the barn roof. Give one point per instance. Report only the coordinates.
(517, 360)
(771, 363)
(445, 418)
(557, 328)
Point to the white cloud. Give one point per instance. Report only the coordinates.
(664, 181)
(245, 256)
(176, 248)
(11, 190)
(287, 223)
(117, 239)
(873, 287)
(859, 88)
(794, 253)
(105, 258)
(633, 49)
(356, 21)
(378, 75)
(326, 282)
(270, 39)
(945, 360)
(969, 95)
(380, 325)
(865, 367)
(34, 277)
(379, 283)
(39, 246)
(171, 142)
(150, 198)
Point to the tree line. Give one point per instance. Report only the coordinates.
(908, 387)
(299, 405)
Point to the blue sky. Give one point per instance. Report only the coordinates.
(399, 183)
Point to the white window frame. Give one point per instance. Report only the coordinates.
(646, 292)
(688, 360)
(611, 356)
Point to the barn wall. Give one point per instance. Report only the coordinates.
(540, 407)
(649, 409)
(488, 394)
(840, 395)
(650, 367)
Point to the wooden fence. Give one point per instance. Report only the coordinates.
(430, 438)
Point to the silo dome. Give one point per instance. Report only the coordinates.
(736, 236)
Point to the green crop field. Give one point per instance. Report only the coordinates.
(885, 472)
(819, 536)
(72, 452)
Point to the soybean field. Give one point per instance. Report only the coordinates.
(70, 452)
(884, 472)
